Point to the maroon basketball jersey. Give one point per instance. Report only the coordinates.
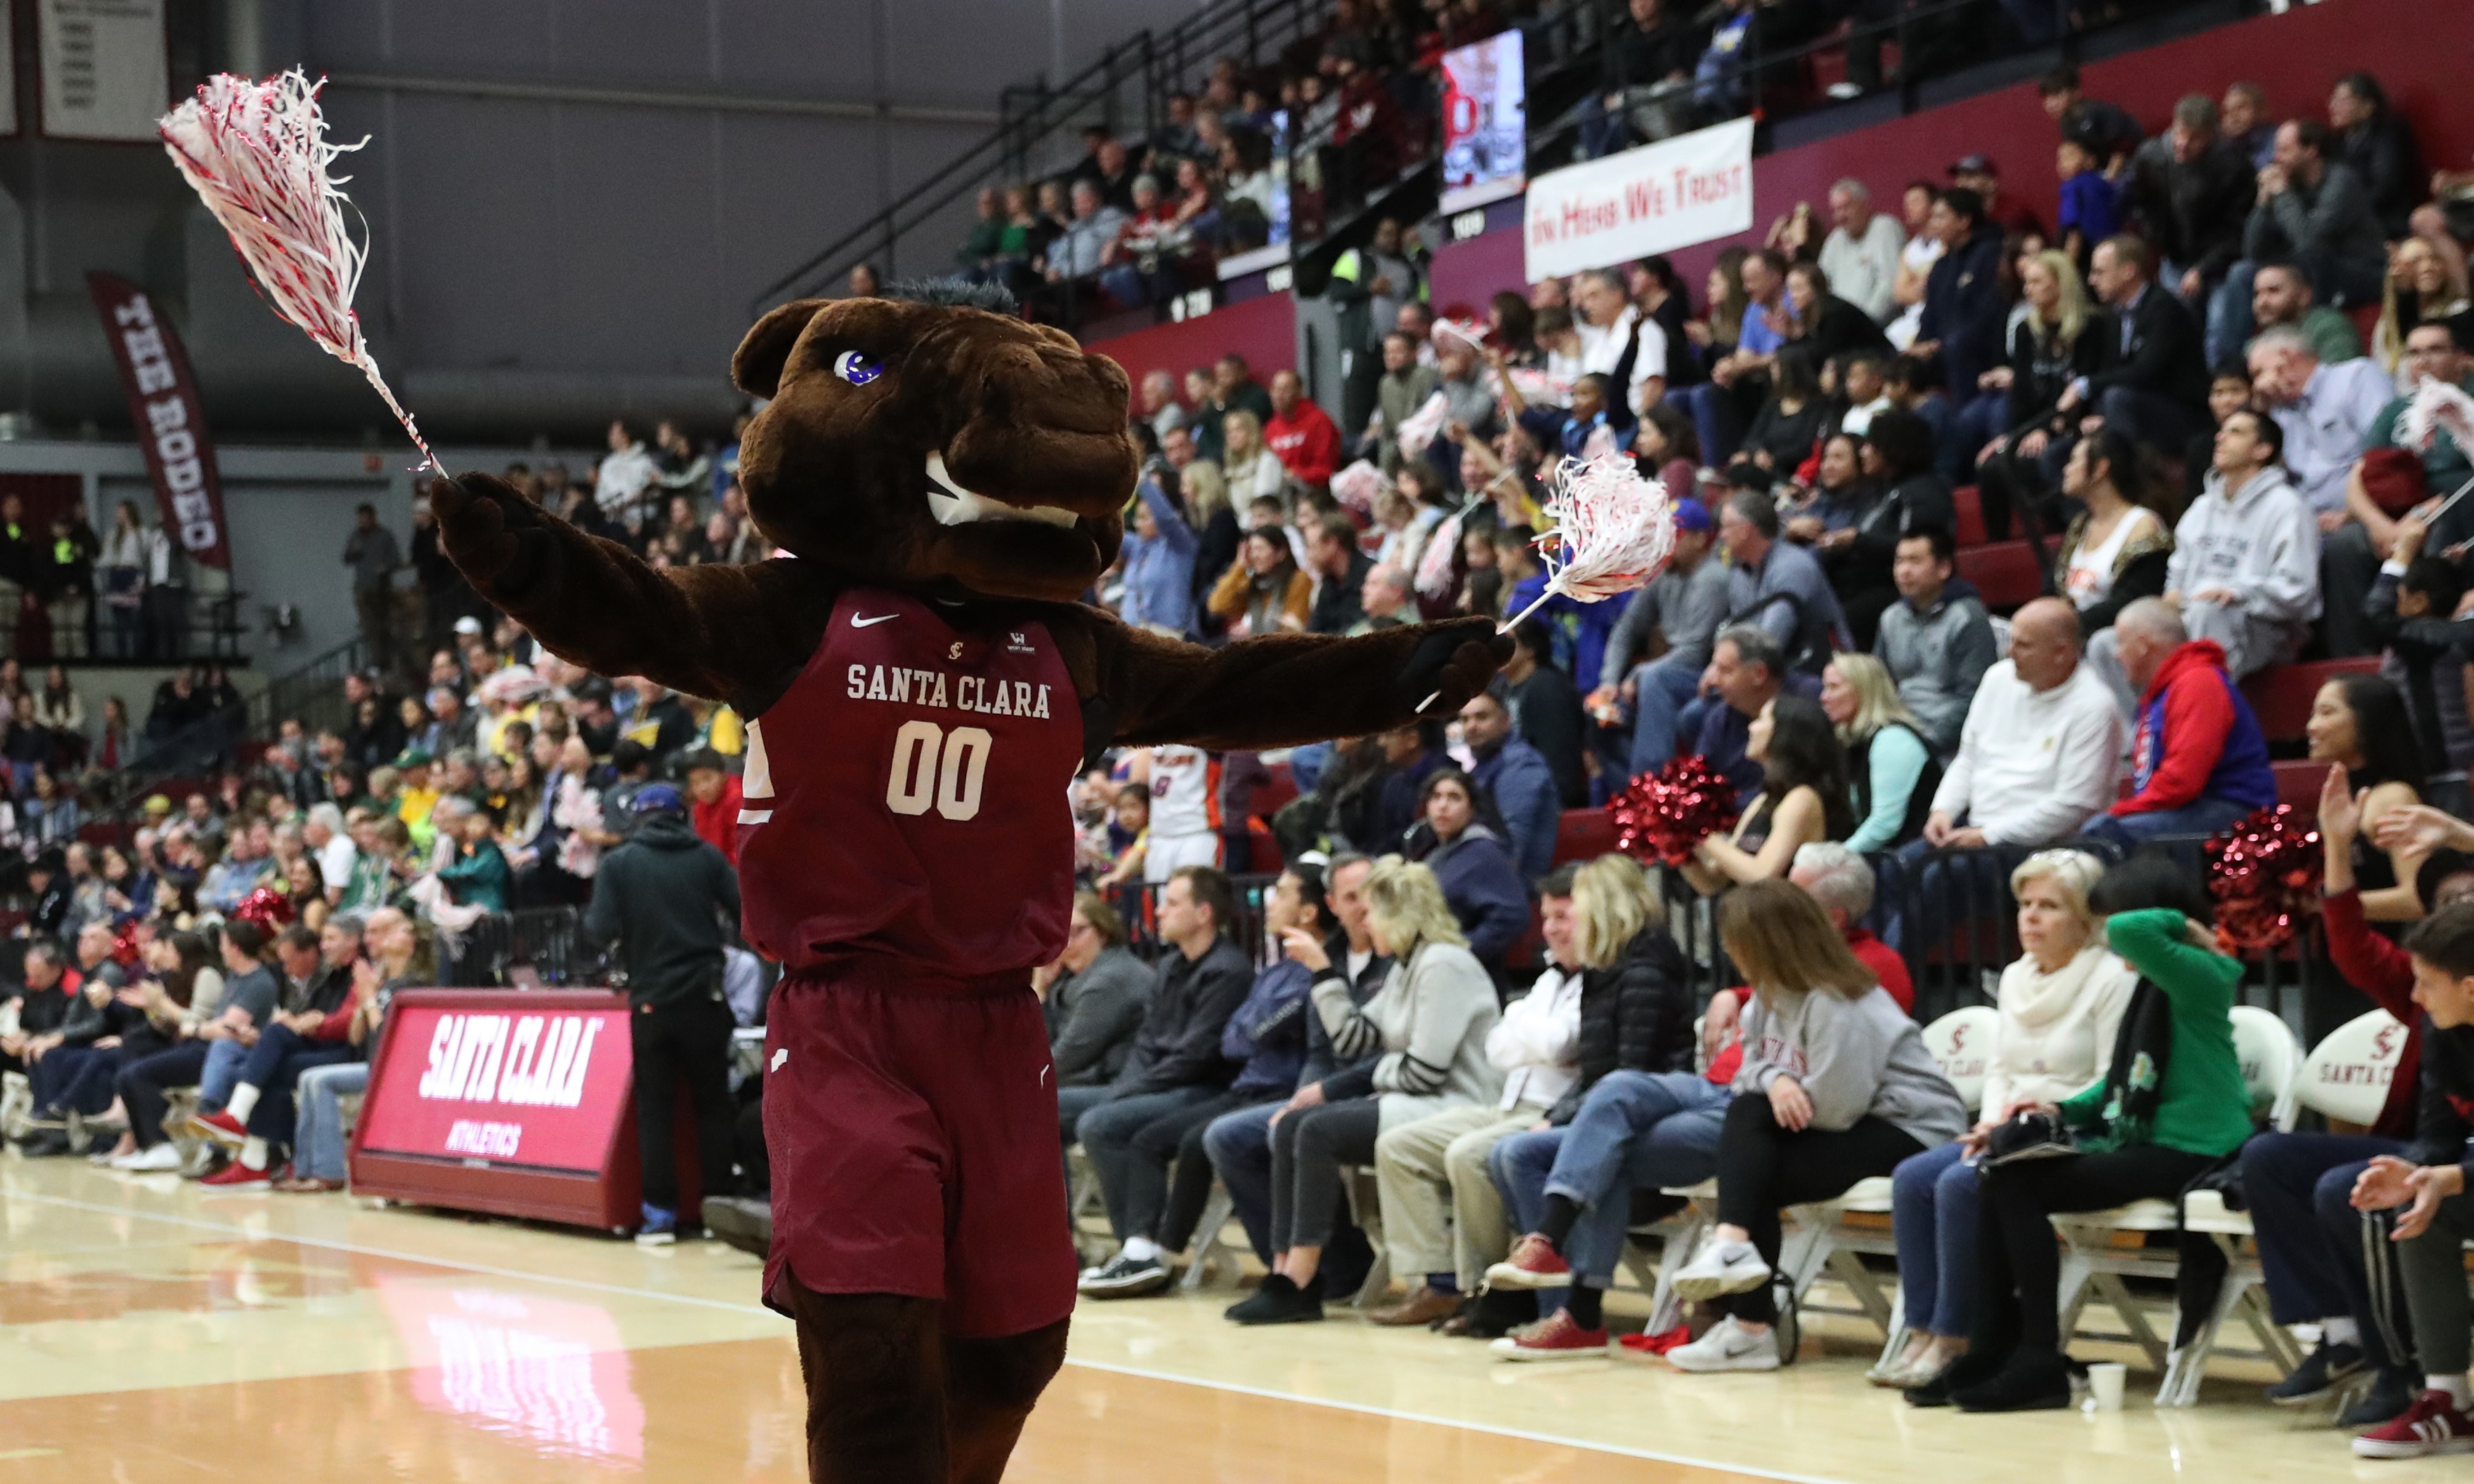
(907, 796)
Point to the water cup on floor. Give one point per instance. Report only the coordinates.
(2105, 1382)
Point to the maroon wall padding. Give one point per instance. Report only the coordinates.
(1263, 330)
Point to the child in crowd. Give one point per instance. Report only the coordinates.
(2090, 209)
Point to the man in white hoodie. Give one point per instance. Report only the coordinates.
(2245, 564)
(1443, 1216)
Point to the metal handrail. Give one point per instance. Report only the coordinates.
(295, 693)
(1162, 62)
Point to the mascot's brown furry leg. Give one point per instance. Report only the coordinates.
(893, 1400)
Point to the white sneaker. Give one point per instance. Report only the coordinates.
(1719, 1269)
(1727, 1347)
(1843, 90)
(155, 1159)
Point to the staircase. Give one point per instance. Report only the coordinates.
(312, 693)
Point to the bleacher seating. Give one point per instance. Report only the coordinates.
(2005, 573)
(2281, 695)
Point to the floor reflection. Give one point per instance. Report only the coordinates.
(552, 1372)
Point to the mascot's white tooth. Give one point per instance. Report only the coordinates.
(952, 505)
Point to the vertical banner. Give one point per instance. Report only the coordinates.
(1486, 122)
(105, 75)
(1693, 188)
(170, 418)
(7, 69)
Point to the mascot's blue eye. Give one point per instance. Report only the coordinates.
(856, 368)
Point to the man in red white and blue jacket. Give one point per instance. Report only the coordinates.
(2200, 761)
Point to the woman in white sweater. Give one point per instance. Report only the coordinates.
(1415, 1048)
(2061, 1005)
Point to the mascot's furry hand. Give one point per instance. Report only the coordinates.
(499, 540)
(1452, 663)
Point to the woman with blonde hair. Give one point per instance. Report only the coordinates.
(2062, 339)
(1634, 1050)
(1416, 1048)
(1890, 766)
(1247, 463)
(2061, 1006)
(2422, 285)
(1836, 1086)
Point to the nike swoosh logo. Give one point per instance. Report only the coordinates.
(860, 622)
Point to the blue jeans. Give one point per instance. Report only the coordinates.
(1933, 1212)
(222, 1073)
(2129, 831)
(1240, 1147)
(1663, 690)
(74, 1077)
(2312, 1240)
(272, 1066)
(1635, 1130)
(318, 1147)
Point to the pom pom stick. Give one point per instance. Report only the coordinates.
(258, 155)
(2438, 407)
(1614, 531)
(2265, 873)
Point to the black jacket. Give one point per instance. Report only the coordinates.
(2446, 1117)
(662, 898)
(2383, 151)
(1339, 602)
(2194, 213)
(1636, 1016)
(1178, 1045)
(1964, 311)
(2164, 356)
(2042, 369)
(1838, 328)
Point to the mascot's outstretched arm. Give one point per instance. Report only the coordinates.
(1283, 689)
(733, 634)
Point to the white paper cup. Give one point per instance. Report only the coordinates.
(2105, 1382)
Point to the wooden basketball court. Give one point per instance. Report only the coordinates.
(154, 1331)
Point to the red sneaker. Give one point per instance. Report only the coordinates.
(1657, 1343)
(1534, 1264)
(239, 1175)
(2432, 1426)
(1555, 1338)
(220, 1127)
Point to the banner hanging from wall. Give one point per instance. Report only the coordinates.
(104, 73)
(170, 418)
(1693, 188)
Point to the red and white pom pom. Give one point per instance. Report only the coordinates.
(257, 154)
(2437, 405)
(1614, 531)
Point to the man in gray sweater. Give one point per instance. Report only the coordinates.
(1093, 997)
(1936, 643)
(1685, 607)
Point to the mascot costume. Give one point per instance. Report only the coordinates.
(921, 682)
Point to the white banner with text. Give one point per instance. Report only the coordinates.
(1693, 188)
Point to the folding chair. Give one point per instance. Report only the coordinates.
(2094, 1268)
(1209, 1247)
(2345, 1077)
(1365, 1208)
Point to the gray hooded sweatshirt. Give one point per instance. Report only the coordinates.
(1853, 1058)
(2262, 546)
(1938, 657)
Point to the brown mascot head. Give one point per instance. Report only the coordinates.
(934, 441)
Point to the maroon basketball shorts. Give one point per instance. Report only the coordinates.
(911, 1126)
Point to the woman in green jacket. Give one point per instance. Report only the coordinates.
(2172, 1106)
